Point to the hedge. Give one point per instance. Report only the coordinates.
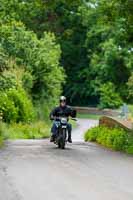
(114, 138)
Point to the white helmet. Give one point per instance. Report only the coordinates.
(62, 98)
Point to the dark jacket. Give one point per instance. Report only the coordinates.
(66, 111)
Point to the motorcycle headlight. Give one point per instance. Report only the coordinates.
(63, 120)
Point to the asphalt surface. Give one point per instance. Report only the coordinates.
(37, 170)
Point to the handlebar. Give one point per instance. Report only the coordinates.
(74, 119)
(54, 118)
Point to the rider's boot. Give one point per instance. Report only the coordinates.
(69, 137)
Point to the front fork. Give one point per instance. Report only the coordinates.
(62, 132)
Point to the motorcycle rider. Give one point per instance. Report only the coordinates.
(62, 110)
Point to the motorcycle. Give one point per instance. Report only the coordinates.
(62, 133)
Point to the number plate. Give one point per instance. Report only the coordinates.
(63, 126)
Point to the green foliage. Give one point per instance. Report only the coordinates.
(2, 132)
(92, 40)
(95, 39)
(16, 106)
(27, 81)
(130, 87)
(109, 98)
(91, 135)
(116, 138)
(8, 109)
(33, 66)
(30, 69)
(3, 59)
(131, 109)
(7, 81)
(23, 103)
(1, 141)
(37, 130)
(103, 51)
(40, 58)
(47, 72)
(28, 131)
(11, 77)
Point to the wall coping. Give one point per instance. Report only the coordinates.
(117, 122)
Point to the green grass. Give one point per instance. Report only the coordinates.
(88, 116)
(35, 130)
(131, 109)
(1, 134)
(74, 123)
(1, 141)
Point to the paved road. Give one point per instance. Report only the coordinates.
(37, 170)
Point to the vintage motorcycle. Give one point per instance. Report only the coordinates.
(62, 132)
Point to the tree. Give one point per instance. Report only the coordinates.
(95, 38)
(109, 98)
(130, 87)
(39, 57)
(108, 46)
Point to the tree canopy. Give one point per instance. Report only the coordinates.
(83, 47)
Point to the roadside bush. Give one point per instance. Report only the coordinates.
(23, 103)
(91, 135)
(116, 138)
(129, 146)
(129, 149)
(16, 106)
(8, 109)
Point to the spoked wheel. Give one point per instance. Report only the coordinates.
(62, 140)
(61, 144)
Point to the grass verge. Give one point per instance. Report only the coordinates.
(88, 116)
(35, 130)
(73, 123)
(1, 141)
(1, 134)
(116, 138)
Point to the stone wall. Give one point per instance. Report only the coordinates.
(96, 111)
(113, 123)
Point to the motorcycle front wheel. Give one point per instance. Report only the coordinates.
(62, 140)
